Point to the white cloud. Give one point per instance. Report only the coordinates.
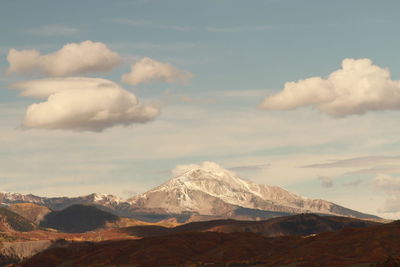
(82, 104)
(149, 70)
(357, 88)
(54, 30)
(206, 165)
(71, 59)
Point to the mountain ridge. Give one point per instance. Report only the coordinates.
(207, 190)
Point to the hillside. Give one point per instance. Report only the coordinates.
(77, 219)
(347, 247)
(296, 225)
(11, 221)
(30, 211)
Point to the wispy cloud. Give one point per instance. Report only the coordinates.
(54, 30)
(250, 167)
(355, 162)
(375, 170)
(390, 186)
(239, 29)
(172, 46)
(151, 24)
(354, 183)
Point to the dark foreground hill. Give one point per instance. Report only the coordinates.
(77, 219)
(347, 247)
(297, 225)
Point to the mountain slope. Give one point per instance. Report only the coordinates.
(30, 211)
(11, 221)
(77, 219)
(59, 203)
(209, 189)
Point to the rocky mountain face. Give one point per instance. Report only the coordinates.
(210, 189)
(203, 192)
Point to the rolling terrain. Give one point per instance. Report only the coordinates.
(375, 244)
(296, 225)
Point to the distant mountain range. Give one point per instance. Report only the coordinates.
(204, 192)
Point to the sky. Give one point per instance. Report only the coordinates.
(110, 96)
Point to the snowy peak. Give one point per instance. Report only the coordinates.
(195, 186)
(214, 180)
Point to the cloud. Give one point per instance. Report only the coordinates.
(149, 70)
(255, 28)
(151, 24)
(206, 165)
(194, 100)
(357, 161)
(81, 104)
(356, 88)
(325, 181)
(355, 183)
(71, 59)
(386, 183)
(391, 187)
(250, 167)
(54, 30)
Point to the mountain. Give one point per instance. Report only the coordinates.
(58, 203)
(377, 244)
(296, 225)
(30, 211)
(201, 192)
(11, 221)
(77, 219)
(210, 189)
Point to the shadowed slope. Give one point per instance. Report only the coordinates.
(299, 225)
(77, 219)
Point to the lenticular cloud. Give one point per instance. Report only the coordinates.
(358, 87)
(150, 70)
(71, 59)
(82, 104)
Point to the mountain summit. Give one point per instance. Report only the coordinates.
(210, 189)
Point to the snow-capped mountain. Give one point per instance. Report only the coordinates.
(210, 189)
(207, 191)
(56, 203)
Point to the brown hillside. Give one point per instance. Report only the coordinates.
(343, 248)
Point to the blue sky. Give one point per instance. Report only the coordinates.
(226, 58)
